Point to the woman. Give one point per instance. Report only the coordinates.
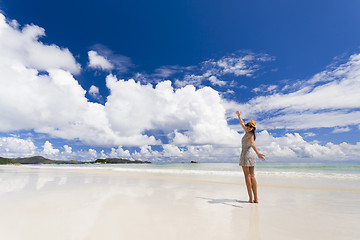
(248, 159)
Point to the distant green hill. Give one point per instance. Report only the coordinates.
(7, 161)
(35, 160)
(42, 160)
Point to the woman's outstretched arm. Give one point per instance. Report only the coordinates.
(241, 121)
(260, 156)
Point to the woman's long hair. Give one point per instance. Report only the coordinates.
(253, 132)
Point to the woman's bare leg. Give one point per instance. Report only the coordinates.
(246, 171)
(253, 183)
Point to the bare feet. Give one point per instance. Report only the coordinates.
(256, 201)
(251, 201)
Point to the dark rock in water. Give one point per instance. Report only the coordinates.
(193, 162)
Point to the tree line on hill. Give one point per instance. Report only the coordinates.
(42, 160)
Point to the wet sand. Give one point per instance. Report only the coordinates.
(59, 203)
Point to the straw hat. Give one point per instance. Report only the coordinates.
(251, 123)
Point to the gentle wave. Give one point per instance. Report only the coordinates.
(348, 176)
(179, 171)
(239, 173)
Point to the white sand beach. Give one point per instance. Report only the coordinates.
(39, 202)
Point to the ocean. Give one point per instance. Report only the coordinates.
(349, 171)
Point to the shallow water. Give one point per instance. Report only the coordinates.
(307, 170)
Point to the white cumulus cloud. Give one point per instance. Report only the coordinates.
(101, 57)
(49, 150)
(94, 92)
(292, 147)
(99, 62)
(21, 47)
(134, 108)
(16, 147)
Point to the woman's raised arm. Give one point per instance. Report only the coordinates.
(241, 121)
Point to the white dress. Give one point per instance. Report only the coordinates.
(247, 157)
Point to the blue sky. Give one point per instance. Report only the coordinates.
(292, 66)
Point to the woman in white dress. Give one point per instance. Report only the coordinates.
(248, 158)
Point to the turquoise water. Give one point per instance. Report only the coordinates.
(312, 170)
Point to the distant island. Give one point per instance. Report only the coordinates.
(42, 160)
(117, 160)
